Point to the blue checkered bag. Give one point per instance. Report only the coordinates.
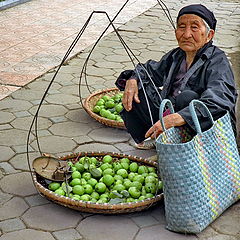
(201, 175)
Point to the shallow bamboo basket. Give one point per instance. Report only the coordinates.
(91, 101)
(90, 207)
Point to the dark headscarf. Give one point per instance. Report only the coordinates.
(201, 11)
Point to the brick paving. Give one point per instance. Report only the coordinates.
(64, 127)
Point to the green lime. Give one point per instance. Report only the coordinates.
(109, 104)
(119, 107)
(125, 160)
(160, 185)
(142, 169)
(153, 174)
(111, 116)
(105, 166)
(103, 112)
(92, 182)
(79, 166)
(78, 189)
(122, 172)
(86, 176)
(54, 186)
(70, 163)
(139, 178)
(76, 174)
(129, 200)
(119, 187)
(117, 166)
(88, 189)
(96, 109)
(149, 195)
(125, 165)
(94, 160)
(131, 176)
(118, 177)
(107, 159)
(106, 98)
(150, 188)
(127, 183)
(85, 197)
(113, 194)
(104, 195)
(133, 167)
(151, 169)
(75, 181)
(108, 171)
(100, 102)
(100, 187)
(150, 179)
(83, 181)
(95, 195)
(118, 182)
(108, 179)
(76, 197)
(60, 192)
(73, 169)
(136, 184)
(141, 198)
(134, 192)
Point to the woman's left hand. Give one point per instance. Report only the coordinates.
(171, 120)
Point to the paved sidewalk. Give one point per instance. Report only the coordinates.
(35, 35)
(64, 127)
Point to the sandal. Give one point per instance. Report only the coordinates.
(147, 144)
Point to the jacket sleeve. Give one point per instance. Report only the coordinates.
(219, 95)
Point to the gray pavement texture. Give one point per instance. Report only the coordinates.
(64, 127)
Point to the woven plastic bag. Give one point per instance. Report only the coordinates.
(201, 176)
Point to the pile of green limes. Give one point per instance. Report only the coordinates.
(109, 181)
(109, 107)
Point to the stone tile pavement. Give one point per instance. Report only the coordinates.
(64, 127)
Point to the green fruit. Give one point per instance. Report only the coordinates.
(111, 116)
(150, 188)
(133, 167)
(76, 197)
(100, 187)
(79, 166)
(85, 197)
(118, 177)
(141, 198)
(125, 165)
(153, 174)
(117, 166)
(93, 160)
(103, 112)
(96, 109)
(119, 107)
(76, 174)
(118, 182)
(151, 169)
(119, 187)
(92, 182)
(127, 183)
(78, 189)
(129, 200)
(109, 104)
(134, 192)
(86, 176)
(83, 181)
(102, 200)
(100, 102)
(125, 160)
(88, 189)
(142, 169)
(54, 186)
(95, 195)
(150, 179)
(107, 159)
(108, 171)
(122, 172)
(60, 192)
(73, 169)
(75, 181)
(139, 178)
(108, 179)
(131, 176)
(160, 185)
(106, 98)
(104, 195)
(113, 194)
(136, 184)
(149, 195)
(105, 166)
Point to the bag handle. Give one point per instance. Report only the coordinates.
(194, 104)
(162, 108)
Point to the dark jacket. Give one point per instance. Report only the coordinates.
(210, 76)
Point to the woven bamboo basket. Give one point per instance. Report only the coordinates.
(91, 101)
(90, 207)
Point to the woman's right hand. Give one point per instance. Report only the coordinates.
(130, 94)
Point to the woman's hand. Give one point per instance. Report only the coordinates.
(171, 120)
(130, 94)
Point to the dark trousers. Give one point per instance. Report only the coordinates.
(138, 120)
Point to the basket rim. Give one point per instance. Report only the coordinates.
(105, 121)
(102, 207)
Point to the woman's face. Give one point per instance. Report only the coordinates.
(191, 33)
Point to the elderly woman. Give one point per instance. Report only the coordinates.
(195, 70)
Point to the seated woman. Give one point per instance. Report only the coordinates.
(195, 70)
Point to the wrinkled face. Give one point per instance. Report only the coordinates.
(191, 33)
